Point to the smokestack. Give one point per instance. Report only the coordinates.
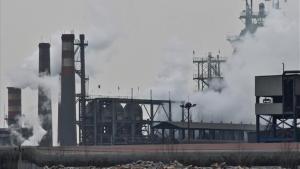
(44, 101)
(14, 106)
(67, 130)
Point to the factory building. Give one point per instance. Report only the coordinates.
(203, 132)
(121, 120)
(278, 107)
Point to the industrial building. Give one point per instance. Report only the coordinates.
(113, 120)
(108, 122)
(202, 132)
(278, 106)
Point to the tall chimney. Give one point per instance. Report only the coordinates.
(67, 128)
(44, 97)
(14, 106)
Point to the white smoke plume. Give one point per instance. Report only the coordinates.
(261, 53)
(33, 123)
(27, 78)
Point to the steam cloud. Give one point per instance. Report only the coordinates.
(261, 53)
(27, 78)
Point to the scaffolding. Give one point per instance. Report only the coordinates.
(123, 120)
(208, 69)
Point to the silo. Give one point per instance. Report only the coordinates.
(14, 106)
(68, 111)
(44, 101)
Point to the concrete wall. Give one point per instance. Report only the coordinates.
(275, 154)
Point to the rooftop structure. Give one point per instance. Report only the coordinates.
(278, 104)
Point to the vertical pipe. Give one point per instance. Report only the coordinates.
(257, 129)
(218, 63)
(189, 133)
(114, 122)
(202, 69)
(151, 115)
(68, 109)
(14, 106)
(170, 109)
(198, 76)
(274, 125)
(95, 111)
(44, 95)
(82, 103)
(182, 112)
(59, 122)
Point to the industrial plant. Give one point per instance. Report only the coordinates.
(128, 120)
(93, 126)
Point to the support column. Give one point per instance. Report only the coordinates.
(114, 123)
(151, 116)
(257, 129)
(295, 127)
(274, 125)
(163, 135)
(198, 76)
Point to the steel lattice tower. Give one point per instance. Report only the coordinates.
(208, 68)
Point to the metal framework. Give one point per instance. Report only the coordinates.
(207, 69)
(252, 19)
(83, 79)
(107, 123)
(281, 113)
(178, 132)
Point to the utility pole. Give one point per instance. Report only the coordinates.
(188, 106)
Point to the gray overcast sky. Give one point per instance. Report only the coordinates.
(143, 28)
(128, 39)
(139, 31)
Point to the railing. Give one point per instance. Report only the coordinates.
(199, 59)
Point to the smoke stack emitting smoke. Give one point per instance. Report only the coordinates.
(261, 53)
(44, 94)
(257, 54)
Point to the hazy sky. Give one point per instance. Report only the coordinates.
(141, 30)
(130, 36)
